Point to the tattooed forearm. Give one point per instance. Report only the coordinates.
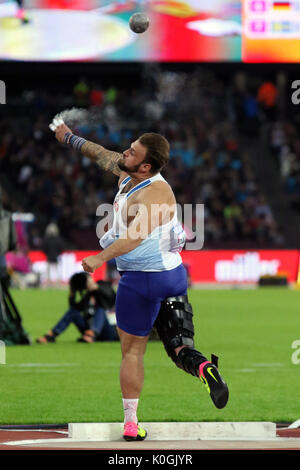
(106, 159)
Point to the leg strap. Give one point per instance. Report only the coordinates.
(189, 360)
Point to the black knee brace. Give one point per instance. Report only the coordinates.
(175, 328)
(174, 324)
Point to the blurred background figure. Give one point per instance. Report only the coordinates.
(8, 242)
(18, 262)
(19, 267)
(91, 307)
(11, 329)
(53, 246)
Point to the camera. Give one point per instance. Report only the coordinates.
(11, 330)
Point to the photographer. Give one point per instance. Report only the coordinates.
(8, 237)
(88, 301)
(11, 329)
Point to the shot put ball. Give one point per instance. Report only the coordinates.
(139, 23)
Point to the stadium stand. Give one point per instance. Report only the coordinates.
(209, 122)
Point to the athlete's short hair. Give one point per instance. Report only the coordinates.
(158, 150)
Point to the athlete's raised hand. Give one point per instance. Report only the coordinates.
(60, 128)
(61, 131)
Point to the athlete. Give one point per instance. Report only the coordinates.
(145, 241)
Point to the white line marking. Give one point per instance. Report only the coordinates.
(38, 441)
(44, 364)
(34, 430)
(268, 364)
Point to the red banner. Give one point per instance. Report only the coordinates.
(240, 266)
(213, 266)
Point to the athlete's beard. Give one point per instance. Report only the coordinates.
(129, 169)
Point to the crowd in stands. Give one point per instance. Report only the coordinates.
(285, 146)
(207, 121)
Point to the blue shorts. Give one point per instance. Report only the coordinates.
(140, 294)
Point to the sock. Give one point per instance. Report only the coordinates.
(130, 407)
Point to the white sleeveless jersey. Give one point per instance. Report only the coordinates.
(160, 250)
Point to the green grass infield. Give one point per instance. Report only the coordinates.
(252, 332)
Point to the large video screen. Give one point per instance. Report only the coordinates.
(180, 30)
(97, 30)
(271, 31)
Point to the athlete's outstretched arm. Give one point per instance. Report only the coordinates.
(106, 159)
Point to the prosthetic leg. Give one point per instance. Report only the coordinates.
(174, 325)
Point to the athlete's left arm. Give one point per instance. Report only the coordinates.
(153, 210)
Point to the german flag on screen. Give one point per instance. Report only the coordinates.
(282, 5)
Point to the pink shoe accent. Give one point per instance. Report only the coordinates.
(130, 429)
(20, 13)
(201, 367)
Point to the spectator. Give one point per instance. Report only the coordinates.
(209, 163)
(52, 246)
(266, 96)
